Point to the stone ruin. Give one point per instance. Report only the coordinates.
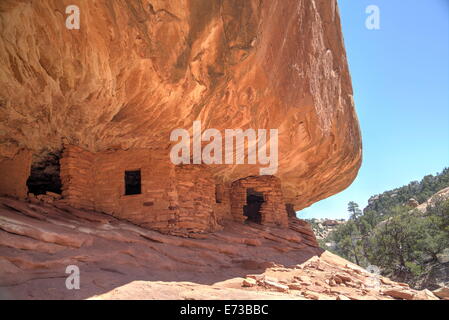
(144, 188)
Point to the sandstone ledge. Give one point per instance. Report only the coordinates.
(124, 261)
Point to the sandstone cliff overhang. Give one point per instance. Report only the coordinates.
(136, 70)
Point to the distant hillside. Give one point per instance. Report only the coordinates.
(418, 190)
(323, 227)
(404, 232)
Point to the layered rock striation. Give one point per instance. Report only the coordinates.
(118, 260)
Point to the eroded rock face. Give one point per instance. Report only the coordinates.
(136, 70)
(119, 260)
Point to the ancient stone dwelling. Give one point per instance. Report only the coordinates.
(143, 187)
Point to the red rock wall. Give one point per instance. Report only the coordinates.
(273, 210)
(306, 231)
(14, 173)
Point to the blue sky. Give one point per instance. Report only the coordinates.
(400, 76)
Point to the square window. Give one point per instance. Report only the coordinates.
(132, 182)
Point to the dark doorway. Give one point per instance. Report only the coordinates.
(218, 193)
(45, 174)
(254, 202)
(132, 182)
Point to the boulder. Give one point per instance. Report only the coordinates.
(248, 282)
(257, 277)
(412, 203)
(275, 285)
(400, 293)
(295, 286)
(442, 292)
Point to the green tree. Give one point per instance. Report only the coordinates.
(354, 210)
(393, 241)
(347, 239)
(395, 237)
(432, 238)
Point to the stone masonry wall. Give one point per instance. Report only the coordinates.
(173, 198)
(196, 199)
(222, 209)
(77, 177)
(14, 173)
(151, 208)
(273, 210)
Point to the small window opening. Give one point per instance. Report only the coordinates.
(290, 210)
(132, 182)
(218, 193)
